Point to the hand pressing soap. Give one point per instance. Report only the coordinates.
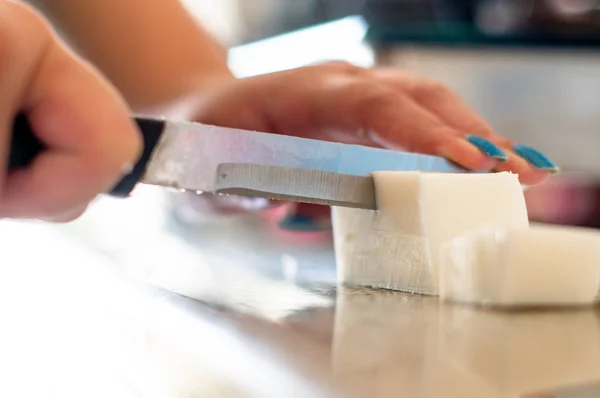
(397, 246)
(541, 266)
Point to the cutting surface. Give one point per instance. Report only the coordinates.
(266, 319)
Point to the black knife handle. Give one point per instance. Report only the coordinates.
(25, 147)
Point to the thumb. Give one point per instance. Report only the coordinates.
(22, 50)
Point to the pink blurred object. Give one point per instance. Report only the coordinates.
(194, 209)
(567, 199)
(198, 210)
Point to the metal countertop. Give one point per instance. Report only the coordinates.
(81, 318)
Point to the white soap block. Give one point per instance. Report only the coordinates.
(397, 247)
(543, 265)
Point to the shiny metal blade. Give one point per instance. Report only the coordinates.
(296, 185)
(189, 154)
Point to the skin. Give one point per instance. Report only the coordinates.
(179, 70)
(42, 77)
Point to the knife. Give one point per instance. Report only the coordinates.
(203, 158)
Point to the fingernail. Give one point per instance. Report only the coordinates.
(301, 224)
(536, 158)
(488, 147)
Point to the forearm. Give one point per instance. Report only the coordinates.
(154, 52)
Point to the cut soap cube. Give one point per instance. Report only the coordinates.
(397, 247)
(544, 265)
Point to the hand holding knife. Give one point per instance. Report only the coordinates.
(198, 157)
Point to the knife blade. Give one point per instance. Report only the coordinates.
(204, 158)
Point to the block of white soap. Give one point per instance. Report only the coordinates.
(543, 265)
(397, 247)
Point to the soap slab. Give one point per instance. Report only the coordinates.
(398, 245)
(544, 265)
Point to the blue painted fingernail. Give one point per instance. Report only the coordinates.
(301, 224)
(536, 158)
(488, 147)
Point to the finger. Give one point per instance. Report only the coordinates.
(396, 121)
(444, 103)
(528, 174)
(92, 140)
(20, 51)
(452, 110)
(68, 216)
